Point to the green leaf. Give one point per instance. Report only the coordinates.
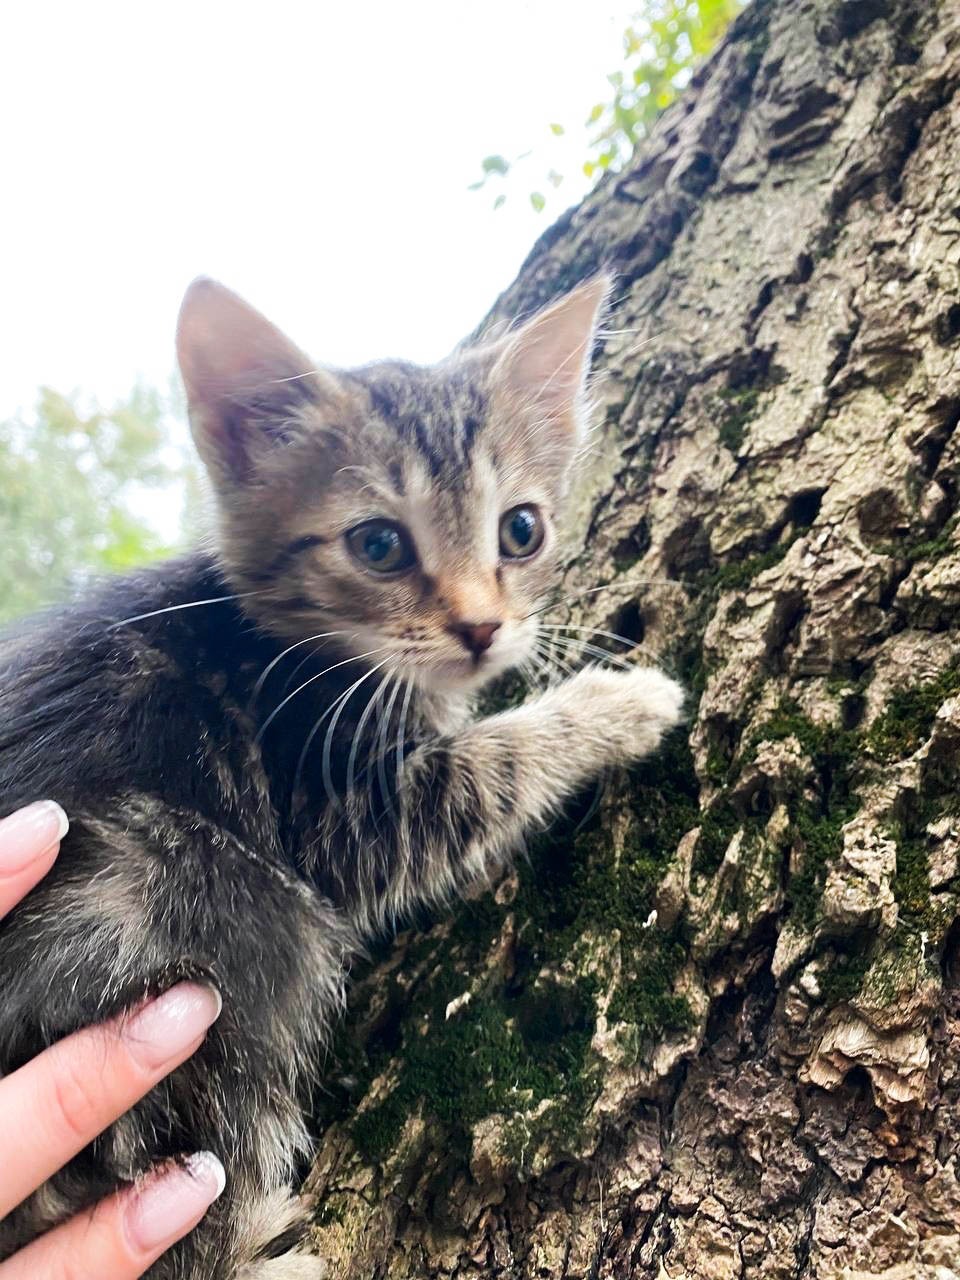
(495, 164)
(500, 201)
(538, 200)
(557, 130)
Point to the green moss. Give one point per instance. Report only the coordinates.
(739, 407)
(738, 574)
(717, 766)
(817, 825)
(718, 825)
(469, 1066)
(526, 1039)
(909, 716)
(911, 884)
(843, 978)
(945, 543)
(594, 894)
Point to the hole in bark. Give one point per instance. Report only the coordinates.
(788, 613)
(951, 956)
(633, 547)
(686, 550)
(803, 508)
(803, 269)
(946, 327)
(626, 622)
(749, 368)
(852, 17)
(852, 710)
(723, 738)
(857, 1083)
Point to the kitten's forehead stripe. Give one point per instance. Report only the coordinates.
(439, 414)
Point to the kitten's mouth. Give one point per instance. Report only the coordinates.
(466, 672)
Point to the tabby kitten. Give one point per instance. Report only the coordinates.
(266, 751)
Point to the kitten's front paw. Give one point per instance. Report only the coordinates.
(656, 697)
(634, 709)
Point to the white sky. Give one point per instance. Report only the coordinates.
(315, 156)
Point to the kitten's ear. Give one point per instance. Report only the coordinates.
(545, 363)
(244, 378)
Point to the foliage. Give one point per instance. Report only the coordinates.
(661, 47)
(73, 480)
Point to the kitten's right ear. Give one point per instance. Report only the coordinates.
(244, 379)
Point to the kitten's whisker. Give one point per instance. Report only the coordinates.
(340, 705)
(381, 748)
(580, 647)
(338, 700)
(544, 648)
(529, 673)
(379, 755)
(616, 582)
(361, 723)
(309, 658)
(554, 659)
(192, 604)
(590, 631)
(264, 675)
(401, 732)
(276, 711)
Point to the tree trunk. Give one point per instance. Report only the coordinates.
(710, 1028)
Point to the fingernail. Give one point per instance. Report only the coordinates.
(172, 1022)
(168, 1205)
(29, 833)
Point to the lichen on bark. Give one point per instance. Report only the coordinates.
(710, 1025)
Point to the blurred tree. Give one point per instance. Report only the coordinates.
(74, 486)
(661, 47)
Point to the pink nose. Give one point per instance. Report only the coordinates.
(477, 637)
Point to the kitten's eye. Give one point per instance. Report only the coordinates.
(382, 546)
(521, 532)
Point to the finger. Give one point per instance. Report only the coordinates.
(125, 1234)
(52, 1107)
(29, 840)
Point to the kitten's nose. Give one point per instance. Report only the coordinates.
(475, 636)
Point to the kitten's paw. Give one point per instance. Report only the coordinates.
(656, 697)
(634, 709)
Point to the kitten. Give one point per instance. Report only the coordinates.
(267, 753)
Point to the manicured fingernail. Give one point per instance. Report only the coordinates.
(168, 1205)
(29, 833)
(173, 1022)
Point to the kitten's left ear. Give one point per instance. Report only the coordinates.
(545, 363)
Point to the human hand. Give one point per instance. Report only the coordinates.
(52, 1107)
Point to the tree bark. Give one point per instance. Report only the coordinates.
(710, 1027)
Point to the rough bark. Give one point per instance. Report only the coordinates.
(711, 1028)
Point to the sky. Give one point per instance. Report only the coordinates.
(313, 155)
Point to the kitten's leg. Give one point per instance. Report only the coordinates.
(259, 1225)
(467, 799)
(291, 1266)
